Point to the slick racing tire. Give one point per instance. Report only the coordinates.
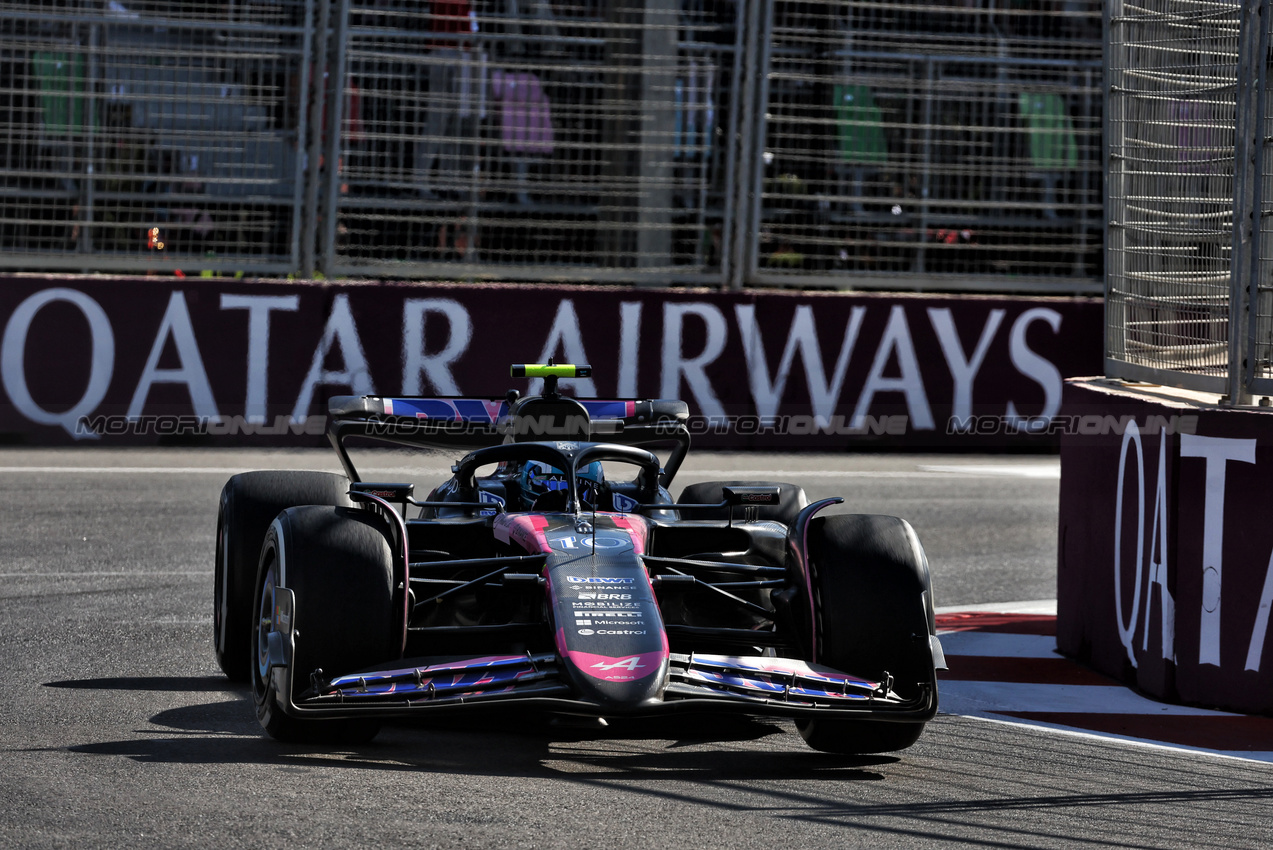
(249, 503)
(791, 500)
(874, 612)
(339, 564)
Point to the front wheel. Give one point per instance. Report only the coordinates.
(249, 503)
(339, 564)
(874, 615)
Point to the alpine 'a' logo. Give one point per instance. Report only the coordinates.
(629, 664)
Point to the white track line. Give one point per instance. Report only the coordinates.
(966, 697)
(1102, 737)
(127, 470)
(1034, 606)
(109, 574)
(926, 472)
(1029, 472)
(188, 470)
(1036, 470)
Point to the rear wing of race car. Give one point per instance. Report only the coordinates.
(471, 422)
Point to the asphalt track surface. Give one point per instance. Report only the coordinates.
(117, 728)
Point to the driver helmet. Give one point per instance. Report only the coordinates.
(538, 478)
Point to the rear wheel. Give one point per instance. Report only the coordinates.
(873, 610)
(791, 500)
(339, 564)
(249, 503)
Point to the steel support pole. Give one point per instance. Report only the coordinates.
(760, 135)
(301, 215)
(742, 238)
(1251, 284)
(1113, 332)
(733, 137)
(329, 211)
(1245, 224)
(313, 149)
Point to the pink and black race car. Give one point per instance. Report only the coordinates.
(554, 572)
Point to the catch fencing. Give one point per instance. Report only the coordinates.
(152, 137)
(942, 144)
(1190, 239)
(957, 140)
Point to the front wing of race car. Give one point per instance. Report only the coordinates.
(758, 685)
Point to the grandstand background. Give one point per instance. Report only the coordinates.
(944, 144)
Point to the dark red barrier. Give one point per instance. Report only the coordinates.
(149, 359)
(1165, 576)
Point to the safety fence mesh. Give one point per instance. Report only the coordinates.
(151, 136)
(536, 139)
(946, 144)
(1190, 233)
(1173, 74)
(952, 138)
(1258, 377)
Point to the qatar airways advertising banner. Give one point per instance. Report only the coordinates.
(1165, 556)
(151, 360)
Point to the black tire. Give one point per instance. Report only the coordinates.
(339, 563)
(249, 503)
(874, 613)
(791, 500)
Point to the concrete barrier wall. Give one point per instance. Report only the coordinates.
(145, 360)
(1165, 558)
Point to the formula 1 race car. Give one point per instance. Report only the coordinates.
(553, 572)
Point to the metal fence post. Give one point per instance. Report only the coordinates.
(314, 148)
(1245, 202)
(90, 147)
(734, 133)
(760, 134)
(329, 209)
(757, 19)
(1256, 350)
(741, 239)
(1114, 346)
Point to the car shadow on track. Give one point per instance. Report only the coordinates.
(147, 683)
(506, 743)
